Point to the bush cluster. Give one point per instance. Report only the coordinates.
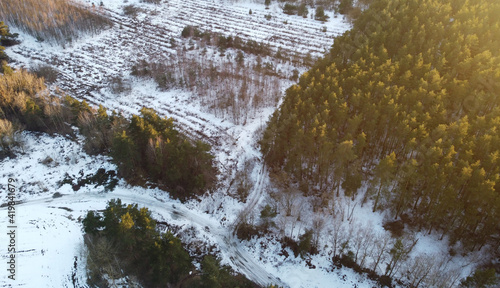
(150, 148)
(292, 9)
(303, 247)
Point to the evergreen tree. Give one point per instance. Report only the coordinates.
(345, 6)
(158, 260)
(320, 14)
(290, 9)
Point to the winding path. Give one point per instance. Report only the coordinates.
(229, 245)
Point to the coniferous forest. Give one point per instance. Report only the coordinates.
(406, 103)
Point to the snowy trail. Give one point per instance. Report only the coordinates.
(254, 196)
(230, 247)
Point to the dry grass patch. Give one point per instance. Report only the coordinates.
(57, 21)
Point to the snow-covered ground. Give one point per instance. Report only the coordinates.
(49, 233)
(49, 239)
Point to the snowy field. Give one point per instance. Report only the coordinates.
(49, 236)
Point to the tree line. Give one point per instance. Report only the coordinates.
(352, 9)
(225, 42)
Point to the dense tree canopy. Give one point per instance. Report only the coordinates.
(151, 148)
(157, 259)
(407, 101)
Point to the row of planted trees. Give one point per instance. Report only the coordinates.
(234, 87)
(407, 102)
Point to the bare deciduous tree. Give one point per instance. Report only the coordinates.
(338, 234)
(380, 249)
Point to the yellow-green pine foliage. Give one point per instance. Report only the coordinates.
(417, 81)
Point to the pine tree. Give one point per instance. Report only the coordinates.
(320, 14)
(267, 3)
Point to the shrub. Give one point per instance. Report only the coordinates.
(191, 31)
(295, 75)
(6, 39)
(45, 71)
(246, 231)
(290, 9)
(290, 243)
(305, 245)
(100, 178)
(385, 281)
(302, 10)
(268, 212)
(131, 10)
(165, 81)
(395, 227)
(6, 137)
(118, 85)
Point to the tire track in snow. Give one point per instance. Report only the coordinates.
(253, 198)
(242, 261)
